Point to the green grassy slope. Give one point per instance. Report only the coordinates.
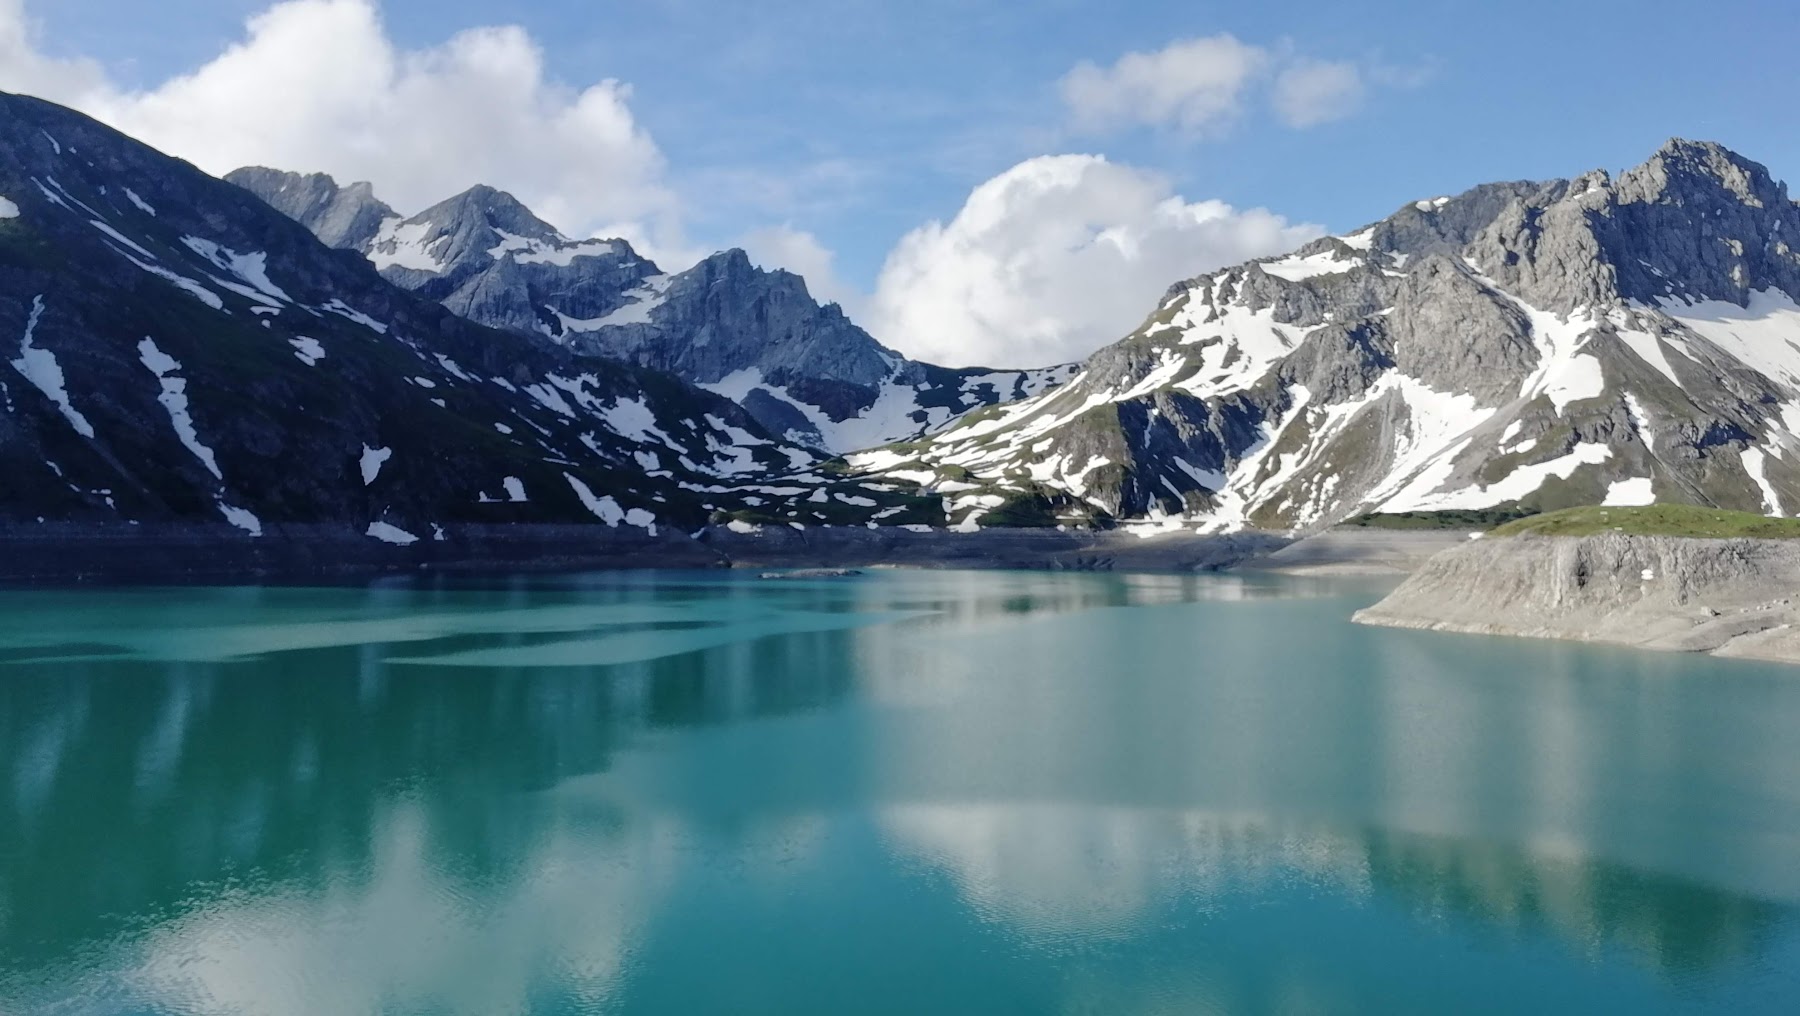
(1654, 520)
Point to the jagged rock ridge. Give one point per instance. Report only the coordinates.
(801, 368)
(1522, 345)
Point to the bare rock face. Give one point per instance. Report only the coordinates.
(347, 218)
(1519, 346)
(1653, 592)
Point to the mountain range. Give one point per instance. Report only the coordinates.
(1519, 347)
(182, 352)
(804, 370)
(281, 351)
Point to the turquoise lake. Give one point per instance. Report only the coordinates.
(904, 792)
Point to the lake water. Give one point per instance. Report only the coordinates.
(907, 792)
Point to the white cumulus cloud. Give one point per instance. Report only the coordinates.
(1198, 85)
(1312, 92)
(318, 85)
(1055, 258)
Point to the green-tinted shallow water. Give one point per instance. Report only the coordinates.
(902, 793)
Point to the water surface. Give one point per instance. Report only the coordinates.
(899, 793)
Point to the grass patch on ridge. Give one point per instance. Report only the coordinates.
(1654, 520)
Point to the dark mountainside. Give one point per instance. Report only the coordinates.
(181, 353)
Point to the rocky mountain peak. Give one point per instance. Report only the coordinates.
(734, 267)
(1703, 172)
(346, 217)
(489, 207)
(1696, 222)
(1448, 223)
(733, 261)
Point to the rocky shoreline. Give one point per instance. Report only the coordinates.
(1729, 597)
(1349, 550)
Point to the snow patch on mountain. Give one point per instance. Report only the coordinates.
(1764, 334)
(307, 350)
(389, 533)
(1521, 482)
(406, 245)
(1652, 349)
(192, 288)
(252, 268)
(560, 252)
(342, 309)
(643, 300)
(174, 399)
(371, 462)
(243, 518)
(1296, 269)
(606, 509)
(1238, 346)
(121, 238)
(642, 518)
(1753, 460)
(39, 366)
(1630, 492)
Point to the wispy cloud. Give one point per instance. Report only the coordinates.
(1196, 85)
(1201, 87)
(1311, 92)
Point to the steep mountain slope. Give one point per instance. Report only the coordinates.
(804, 370)
(1530, 345)
(172, 349)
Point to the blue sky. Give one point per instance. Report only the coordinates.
(855, 121)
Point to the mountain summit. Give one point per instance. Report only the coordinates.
(1519, 346)
(802, 369)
